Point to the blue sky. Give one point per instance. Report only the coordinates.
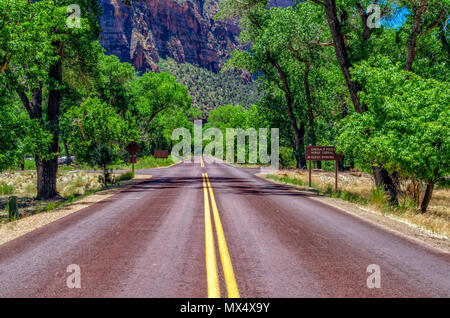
(397, 20)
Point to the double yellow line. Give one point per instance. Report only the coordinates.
(212, 274)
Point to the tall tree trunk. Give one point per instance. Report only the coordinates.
(341, 53)
(312, 131)
(344, 62)
(395, 176)
(300, 148)
(47, 169)
(384, 180)
(299, 132)
(364, 16)
(66, 149)
(415, 31)
(345, 65)
(46, 178)
(427, 197)
(344, 113)
(341, 165)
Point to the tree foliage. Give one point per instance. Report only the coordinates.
(406, 126)
(210, 90)
(319, 58)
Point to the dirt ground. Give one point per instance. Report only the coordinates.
(23, 185)
(436, 219)
(12, 230)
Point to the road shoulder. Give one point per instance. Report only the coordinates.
(387, 222)
(13, 230)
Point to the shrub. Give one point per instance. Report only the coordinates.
(71, 198)
(103, 156)
(444, 183)
(377, 197)
(126, 176)
(51, 206)
(287, 158)
(328, 190)
(6, 189)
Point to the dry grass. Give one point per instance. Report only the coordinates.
(360, 189)
(12, 230)
(24, 183)
(72, 186)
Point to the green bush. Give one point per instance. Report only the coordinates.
(287, 158)
(51, 206)
(347, 196)
(6, 189)
(444, 183)
(328, 191)
(126, 176)
(71, 198)
(378, 196)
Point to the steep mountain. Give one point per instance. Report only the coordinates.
(211, 90)
(183, 30)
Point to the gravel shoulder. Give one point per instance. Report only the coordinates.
(387, 222)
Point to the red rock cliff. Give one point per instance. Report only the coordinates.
(153, 29)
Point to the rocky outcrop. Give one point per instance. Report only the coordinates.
(152, 29)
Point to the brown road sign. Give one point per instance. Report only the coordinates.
(133, 159)
(133, 148)
(319, 153)
(161, 154)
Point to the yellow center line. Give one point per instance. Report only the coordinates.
(230, 279)
(202, 164)
(212, 275)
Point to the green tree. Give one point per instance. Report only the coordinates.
(284, 42)
(94, 124)
(95, 132)
(111, 81)
(154, 95)
(103, 156)
(19, 135)
(406, 126)
(211, 90)
(38, 76)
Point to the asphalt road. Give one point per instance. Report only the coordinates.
(199, 230)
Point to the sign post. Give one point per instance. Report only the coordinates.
(133, 148)
(320, 153)
(310, 164)
(336, 175)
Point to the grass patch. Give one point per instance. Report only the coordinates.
(6, 189)
(146, 163)
(51, 206)
(362, 191)
(125, 176)
(376, 198)
(71, 186)
(286, 180)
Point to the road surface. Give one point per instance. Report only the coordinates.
(213, 230)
